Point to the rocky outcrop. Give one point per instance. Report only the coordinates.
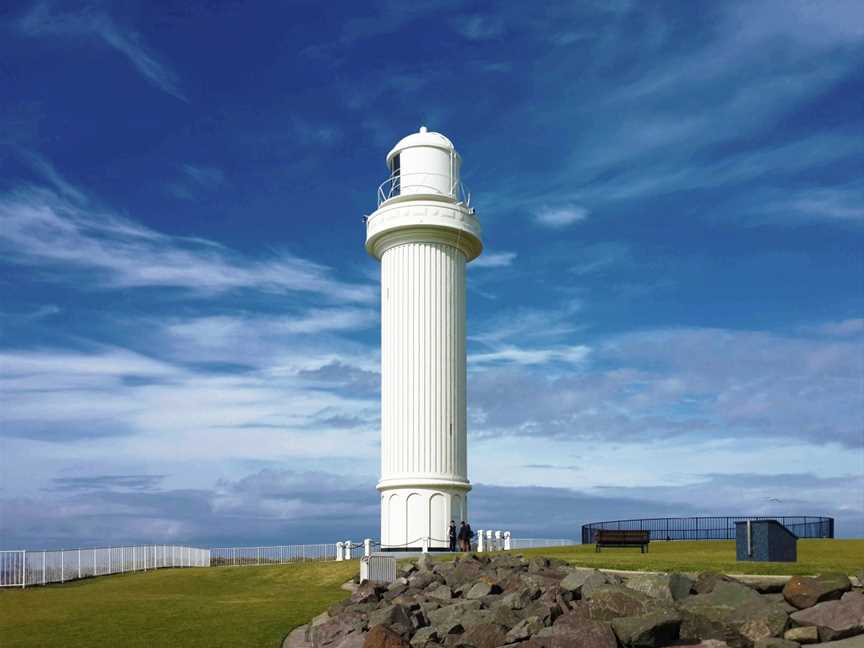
(835, 619)
(506, 601)
(804, 591)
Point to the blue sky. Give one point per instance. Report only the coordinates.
(668, 317)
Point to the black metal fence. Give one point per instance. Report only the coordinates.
(711, 528)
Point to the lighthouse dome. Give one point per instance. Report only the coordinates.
(423, 164)
(423, 138)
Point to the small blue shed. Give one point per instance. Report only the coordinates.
(765, 540)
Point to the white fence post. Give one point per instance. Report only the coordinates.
(347, 550)
(480, 541)
(506, 541)
(424, 545)
(340, 554)
(23, 569)
(79, 563)
(61, 566)
(367, 547)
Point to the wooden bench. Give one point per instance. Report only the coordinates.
(616, 538)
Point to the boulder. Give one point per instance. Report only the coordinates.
(804, 635)
(804, 591)
(483, 587)
(448, 618)
(545, 611)
(524, 629)
(356, 639)
(582, 581)
(835, 619)
(666, 587)
(705, 582)
(775, 642)
(383, 637)
(519, 599)
(484, 635)
(396, 617)
(331, 632)
(613, 601)
(733, 613)
(587, 634)
(441, 592)
(423, 637)
(649, 630)
(367, 593)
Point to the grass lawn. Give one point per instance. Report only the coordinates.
(814, 556)
(258, 606)
(212, 608)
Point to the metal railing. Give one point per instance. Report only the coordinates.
(420, 183)
(20, 568)
(273, 555)
(531, 543)
(711, 527)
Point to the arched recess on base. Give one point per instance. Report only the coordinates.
(438, 522)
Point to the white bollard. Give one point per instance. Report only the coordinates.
(367, 547)
(506, 541)
(490, 546)
(424, 547)
(480, 541)
(498, 545)
(347, 550)
(340, 552)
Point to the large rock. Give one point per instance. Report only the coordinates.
(804, 591)
(733, 613)
(395, 617)
(521, 598)
(585, 634)
(804, 635)
(648, 630)
(483, 587)
(447, 619)
(331, 632)
(424, 637)
(484, 635)
(835, 619)
(706, 581)
(441, 592)
(356, 639)
(614, 601)
(524, 629)
(367, 593)
(383, 637)
(774, 642)
(666, 587)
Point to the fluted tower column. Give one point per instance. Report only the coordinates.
(424, 233)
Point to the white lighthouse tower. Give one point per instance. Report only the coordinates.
(424, 233)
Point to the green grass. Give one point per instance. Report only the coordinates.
(212, 608)
(814, 556)
(258, 606)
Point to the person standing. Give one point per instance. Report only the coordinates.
(468, 535)
(462, 536)
(451, 535)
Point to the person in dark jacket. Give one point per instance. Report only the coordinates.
(468, 535)
(462, 537)
(451, 535)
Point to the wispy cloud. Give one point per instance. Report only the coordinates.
(89, 22)
(494, 260)
(43, 228)
(522, 356)
(558, 217)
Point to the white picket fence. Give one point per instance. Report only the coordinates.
(274, 555)
(20, 568)
(535, 543)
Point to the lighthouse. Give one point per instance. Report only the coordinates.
(424, 232)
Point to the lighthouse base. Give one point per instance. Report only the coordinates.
(418, 517)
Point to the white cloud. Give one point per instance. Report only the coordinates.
(42, 228)
(520, 356)
(41, 20)
(558, 217)
(494, 260)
